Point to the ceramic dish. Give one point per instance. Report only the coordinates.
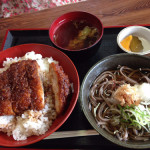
(139, 31)
(110, 63)
(69, 68)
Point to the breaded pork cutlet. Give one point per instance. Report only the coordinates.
(60, 86)
(5, 95)
(21, 88)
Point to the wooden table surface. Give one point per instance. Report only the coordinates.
(111, 12)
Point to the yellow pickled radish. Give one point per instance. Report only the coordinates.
(126, 42)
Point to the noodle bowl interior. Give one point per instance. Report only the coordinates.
(120, 102)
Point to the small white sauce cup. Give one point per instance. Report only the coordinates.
(139, 31)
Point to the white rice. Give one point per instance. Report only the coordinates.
(30, 122)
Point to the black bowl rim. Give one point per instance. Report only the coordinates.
(98, 129)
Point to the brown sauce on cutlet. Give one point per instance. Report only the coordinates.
(5, 96)
(20, 89)
(24, 88)
(60, 86)
(36, 86)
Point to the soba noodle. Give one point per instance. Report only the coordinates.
(127, 121)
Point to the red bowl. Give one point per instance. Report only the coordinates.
(66, 32)
(69, 69)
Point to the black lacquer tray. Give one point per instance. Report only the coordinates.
(77, 120)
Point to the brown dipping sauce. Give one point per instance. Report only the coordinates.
(76, 35)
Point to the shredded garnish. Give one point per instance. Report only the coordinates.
(137, 116)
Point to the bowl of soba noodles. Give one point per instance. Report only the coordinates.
(115, 98)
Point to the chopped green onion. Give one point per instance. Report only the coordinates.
(135, 116)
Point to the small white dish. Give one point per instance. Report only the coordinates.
(141, 32)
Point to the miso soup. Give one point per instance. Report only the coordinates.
(76, 35)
